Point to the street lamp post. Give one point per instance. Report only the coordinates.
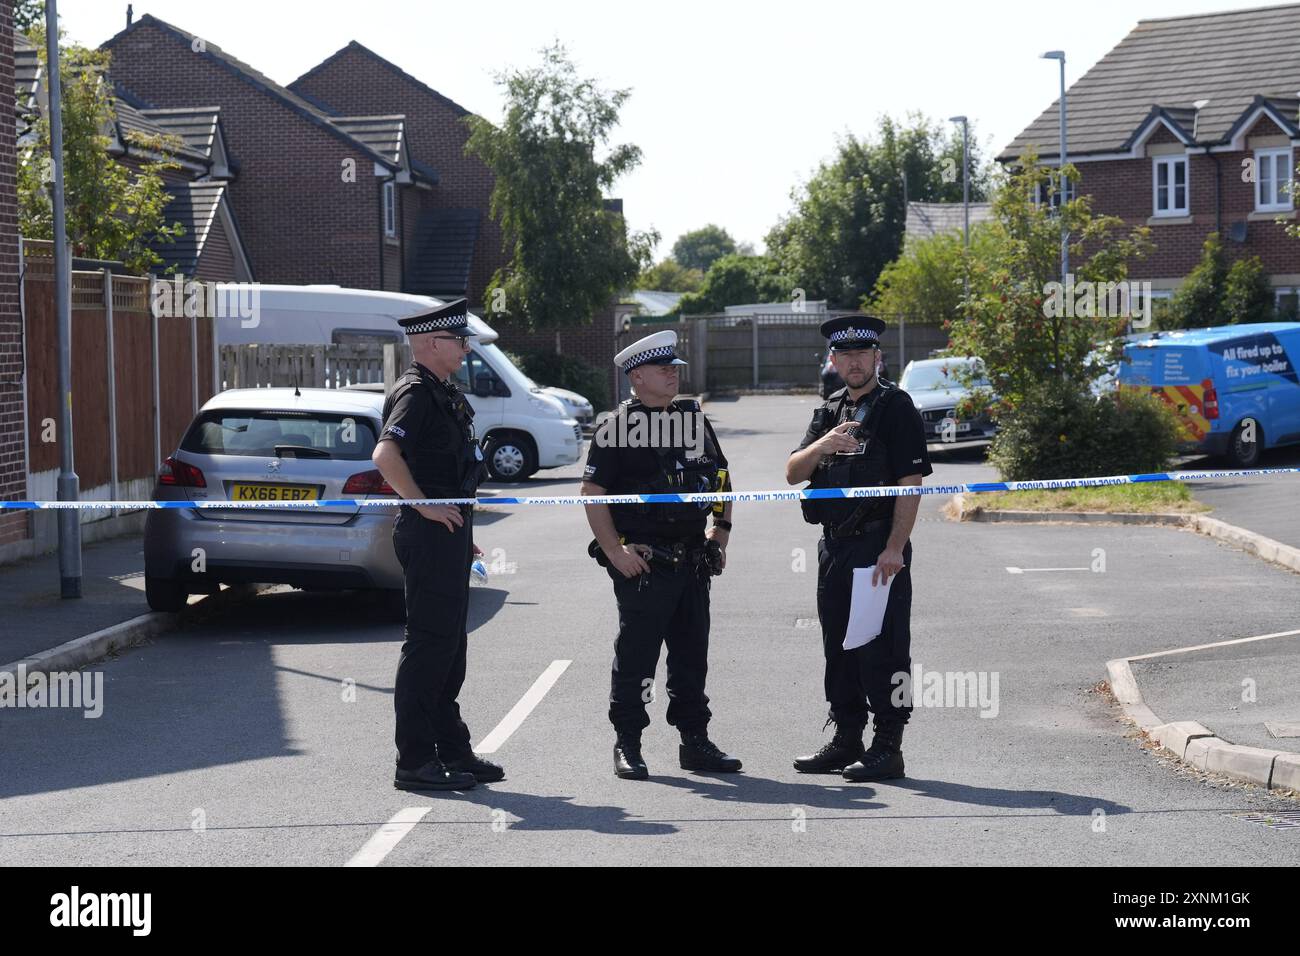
(1059, 56)
(965, 200)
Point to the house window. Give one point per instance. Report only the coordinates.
(1045, 195)
(1273, 180)
(1170, 185)
(390, 209)
(1287, 303)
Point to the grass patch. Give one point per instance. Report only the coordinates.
(1152, 497)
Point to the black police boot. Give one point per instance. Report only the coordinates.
(884, 761)
(842, 749)
(434, 775)
(484, 771)
(698, 752)
(627, 759)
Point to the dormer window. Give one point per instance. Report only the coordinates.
(1273, 180)
(1169, 186)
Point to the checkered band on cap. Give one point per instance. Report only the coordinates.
(845, 334)
(649, 355)
(446, 322)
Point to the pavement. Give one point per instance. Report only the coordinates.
(262, 734)
(34, 618)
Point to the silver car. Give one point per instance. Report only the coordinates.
(273, 444)
(936, 388)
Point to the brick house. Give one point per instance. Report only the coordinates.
(211, 246)
(13, 444)
(1190, 125)
(316, 196)
(456, 245)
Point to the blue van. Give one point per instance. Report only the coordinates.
(1225, 382)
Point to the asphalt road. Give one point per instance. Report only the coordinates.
(235, 741)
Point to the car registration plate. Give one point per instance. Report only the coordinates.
(272, 492)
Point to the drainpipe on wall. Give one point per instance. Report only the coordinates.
(1218, 192)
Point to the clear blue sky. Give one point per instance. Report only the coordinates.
(733, 103)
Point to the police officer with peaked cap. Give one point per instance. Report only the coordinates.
(866, 434)
(659, 556)
(427, 449)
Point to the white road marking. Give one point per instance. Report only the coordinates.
(1011, 570)
(1202, 647)
(392, 832)
(388, 836)
(518, 713)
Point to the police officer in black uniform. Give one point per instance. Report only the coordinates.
(427, 449)
(659, 556)
(866, 434)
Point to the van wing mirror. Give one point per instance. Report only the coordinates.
(483, 385)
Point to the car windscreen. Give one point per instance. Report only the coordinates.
(919, 378)
(286, 434)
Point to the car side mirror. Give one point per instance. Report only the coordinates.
(483, 385)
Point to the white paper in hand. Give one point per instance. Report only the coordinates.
(866, 608)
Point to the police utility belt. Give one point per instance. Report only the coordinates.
(865, 467)
(670, 556)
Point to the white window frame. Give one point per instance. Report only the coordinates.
(390, 209)
(1068, 194)
(1171, 161)
(1269, 154)
(1281, 291)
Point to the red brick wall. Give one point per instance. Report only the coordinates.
(596, 344)
(356, 84)
(1124, 188)
(300, 221)
(13, 471)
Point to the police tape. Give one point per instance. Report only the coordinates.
(890, 491)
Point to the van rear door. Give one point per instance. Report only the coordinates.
(1179, 375)
(1259, 380)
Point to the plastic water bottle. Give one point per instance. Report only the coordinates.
(478, 573)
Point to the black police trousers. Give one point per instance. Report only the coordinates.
(862, 681)
(662, 607)
(431, 669)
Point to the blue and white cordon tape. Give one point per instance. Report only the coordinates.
(890, 491)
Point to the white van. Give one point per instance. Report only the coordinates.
(524, 427)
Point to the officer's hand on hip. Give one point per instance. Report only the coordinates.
(838, 439)
(628, 561)
(448, 516)
(720, 535)
(889, 563)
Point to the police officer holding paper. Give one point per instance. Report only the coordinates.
(427, 449)
(866, 434)
(659, 556)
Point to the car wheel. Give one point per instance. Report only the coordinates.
(165, 594)
(1243, 453)
(510, 456)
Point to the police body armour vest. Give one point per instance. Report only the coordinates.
(676, 473)
(868, 468)
(446, 473)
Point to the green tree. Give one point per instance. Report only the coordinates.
(569, 254)
(1216, 293)
(1197, 302)
(29, 16)
(925, 282)
(735, 280)
(848, 219)
(700, 248)
(1017, 322)
(112, 211)
(670, 276)
(1247, 294)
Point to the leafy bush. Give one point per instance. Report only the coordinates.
(566, 371)
(1060, 431)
